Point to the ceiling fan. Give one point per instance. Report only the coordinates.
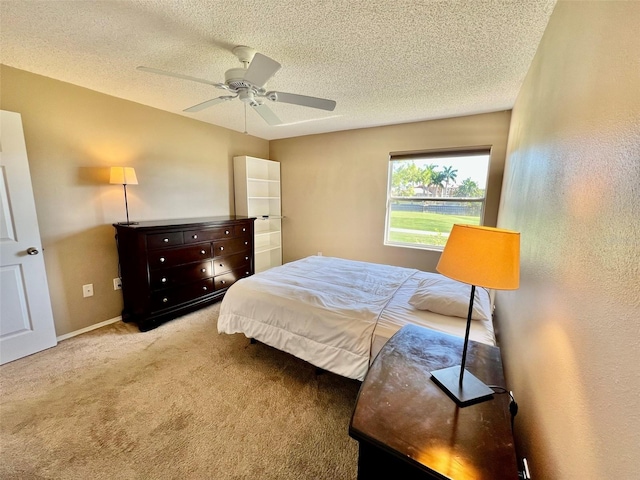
(247, 83)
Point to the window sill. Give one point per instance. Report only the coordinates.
(433, 248)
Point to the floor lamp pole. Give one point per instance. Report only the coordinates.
(126, 207)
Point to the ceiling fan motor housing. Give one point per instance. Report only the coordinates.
(235, 78)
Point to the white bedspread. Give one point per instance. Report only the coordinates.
(334, 313)
(320, 309)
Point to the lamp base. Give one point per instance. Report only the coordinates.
(471, 391)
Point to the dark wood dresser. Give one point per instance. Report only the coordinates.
(171, 267)
(407, 427)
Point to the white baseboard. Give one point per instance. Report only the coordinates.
(88, 329)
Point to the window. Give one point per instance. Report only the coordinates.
(429, 192)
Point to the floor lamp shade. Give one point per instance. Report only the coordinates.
(485, 257)
(124, 176)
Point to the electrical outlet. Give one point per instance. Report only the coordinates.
(319, 254)
(525, 470)
(117, 283)
(87, 290)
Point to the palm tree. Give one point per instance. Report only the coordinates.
(449, 174)
(437, 181)
(468, 188)
(426, 176)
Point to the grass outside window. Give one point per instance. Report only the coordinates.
(425, 228)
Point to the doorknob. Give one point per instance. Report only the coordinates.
(32, 251)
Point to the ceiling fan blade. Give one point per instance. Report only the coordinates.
(305, 101)
(267, 114)
(260, 70)
(179, 75)
(208, 103)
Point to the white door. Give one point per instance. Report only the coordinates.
(26, 319)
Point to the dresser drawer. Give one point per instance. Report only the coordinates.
(178, 256)
(176, 296)
(227, 279)
(172, 277)
(241, 230)
(208, 234)
(231, 246)
(161, 240)
(225, 264)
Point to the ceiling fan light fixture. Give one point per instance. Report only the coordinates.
(247, 96)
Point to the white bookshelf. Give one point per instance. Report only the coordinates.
(257, 194)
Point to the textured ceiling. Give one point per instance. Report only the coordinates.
(383, 61)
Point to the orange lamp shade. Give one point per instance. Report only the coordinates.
(482, 256)
(123, 176)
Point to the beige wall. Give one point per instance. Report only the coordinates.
(73, 135)
(571, 333)
(334, 185)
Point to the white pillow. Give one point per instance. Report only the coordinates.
(445, 296)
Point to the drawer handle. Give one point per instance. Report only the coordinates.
(165, 300)
(226, 232)
(194, 236)
(246, 243)
(204, 288)
(223, 282)
(165, 240)
(163, 279)
(203, 270)
(203, 252)
(162, 259)
(221, 248)
(244, 229)
(246, 258)
(222, 264)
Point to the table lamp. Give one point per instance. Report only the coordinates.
(124, 176)
(482, 257)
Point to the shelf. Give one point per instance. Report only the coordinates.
(266, 233)
(266, 248)
(267, 180)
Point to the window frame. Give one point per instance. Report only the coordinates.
(426, 155)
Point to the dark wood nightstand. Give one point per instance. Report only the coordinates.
(408, 428)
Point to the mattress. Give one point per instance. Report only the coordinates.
(333, 313)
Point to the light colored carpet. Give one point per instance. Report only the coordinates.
(178, 402)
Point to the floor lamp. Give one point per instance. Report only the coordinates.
(482, 257)
(124, 176)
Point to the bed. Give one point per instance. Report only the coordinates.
(337, 314)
